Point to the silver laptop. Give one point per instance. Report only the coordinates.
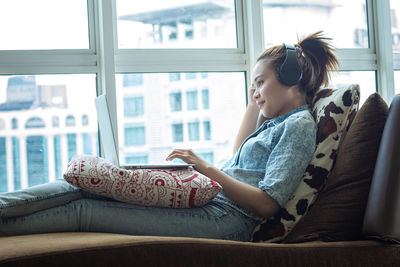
(107, 137)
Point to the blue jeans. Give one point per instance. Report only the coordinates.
(60, 207)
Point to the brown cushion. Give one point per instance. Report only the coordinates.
(338, 212)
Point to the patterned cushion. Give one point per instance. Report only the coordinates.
(176, 188)
(333, 111)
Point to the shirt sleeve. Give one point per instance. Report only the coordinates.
(296, 141)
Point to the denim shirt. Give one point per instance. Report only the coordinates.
(275, 157)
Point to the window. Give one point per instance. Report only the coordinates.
(3, 166)
(173, 77)
(43, 24)
(192, 101)
(194, 131)
(87, 144)
(301, 18)
(37, 160)
(132, 79)
(55, 120)
(205, 98)
(153, 49)
(16, 163)
(177, 132)
(133, 106)
(175, 101)
(71, 140)
(207, 130)
(172, 24)
(85, 120)
(14, 123)
(70, 121)
(135, 135)
(35, 122)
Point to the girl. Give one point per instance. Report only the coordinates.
(267, 165)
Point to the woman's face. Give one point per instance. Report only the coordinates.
(271, 96)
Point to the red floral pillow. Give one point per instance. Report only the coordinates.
(176, 188)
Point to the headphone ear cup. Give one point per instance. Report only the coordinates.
(290, 72)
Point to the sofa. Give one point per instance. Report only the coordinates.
(355, 220)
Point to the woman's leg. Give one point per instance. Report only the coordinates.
(213, 220)
(36, 198)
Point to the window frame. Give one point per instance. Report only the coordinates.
(106, 60)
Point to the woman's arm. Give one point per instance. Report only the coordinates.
(247, 196)
(249, 121)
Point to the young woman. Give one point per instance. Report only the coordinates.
(267, 165)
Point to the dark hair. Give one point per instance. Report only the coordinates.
(316, 58)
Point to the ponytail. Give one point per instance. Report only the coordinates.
(316, 58)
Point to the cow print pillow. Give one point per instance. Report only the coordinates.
(333, 111)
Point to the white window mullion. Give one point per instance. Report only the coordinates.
(383, 44)
(254, 32)
(105, 47)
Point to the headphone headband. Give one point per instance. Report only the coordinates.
(290, 72)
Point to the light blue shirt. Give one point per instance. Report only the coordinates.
(274, 158)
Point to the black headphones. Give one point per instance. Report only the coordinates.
(290, 73)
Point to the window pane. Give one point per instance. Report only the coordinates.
(344, 21)
(41, 133)
(397, 82)
(133, 106)
(176, 24)
(366, 80)
(43, 24)
(395, 20)
(169, 124)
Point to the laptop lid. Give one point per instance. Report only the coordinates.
(107, 138)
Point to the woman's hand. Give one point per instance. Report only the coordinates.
(250, 96)
(188, 156)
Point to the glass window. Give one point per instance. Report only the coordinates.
(194, 131)
(35, 122)
(397, 82)
(133, 79)
(14, 123)
(85, 120)
(16, 163)
(190, 75)
(343, 21)
(71, 141)
(173, 77)
(57, 156)
(175, 101)
(37, 160)
(133, 106)
(166, 118)
(3, 166)
(176, 24)
(366, 80)
(207, 130)
(177, 132)
(43, 24)
(70, 121)
(137, 159)
(135, 135)
(55, 120)
(191, 100)
(395, 22)
(87, 144)
(205, 98)
(36, 102)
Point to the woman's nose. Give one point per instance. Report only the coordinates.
(256, 94)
